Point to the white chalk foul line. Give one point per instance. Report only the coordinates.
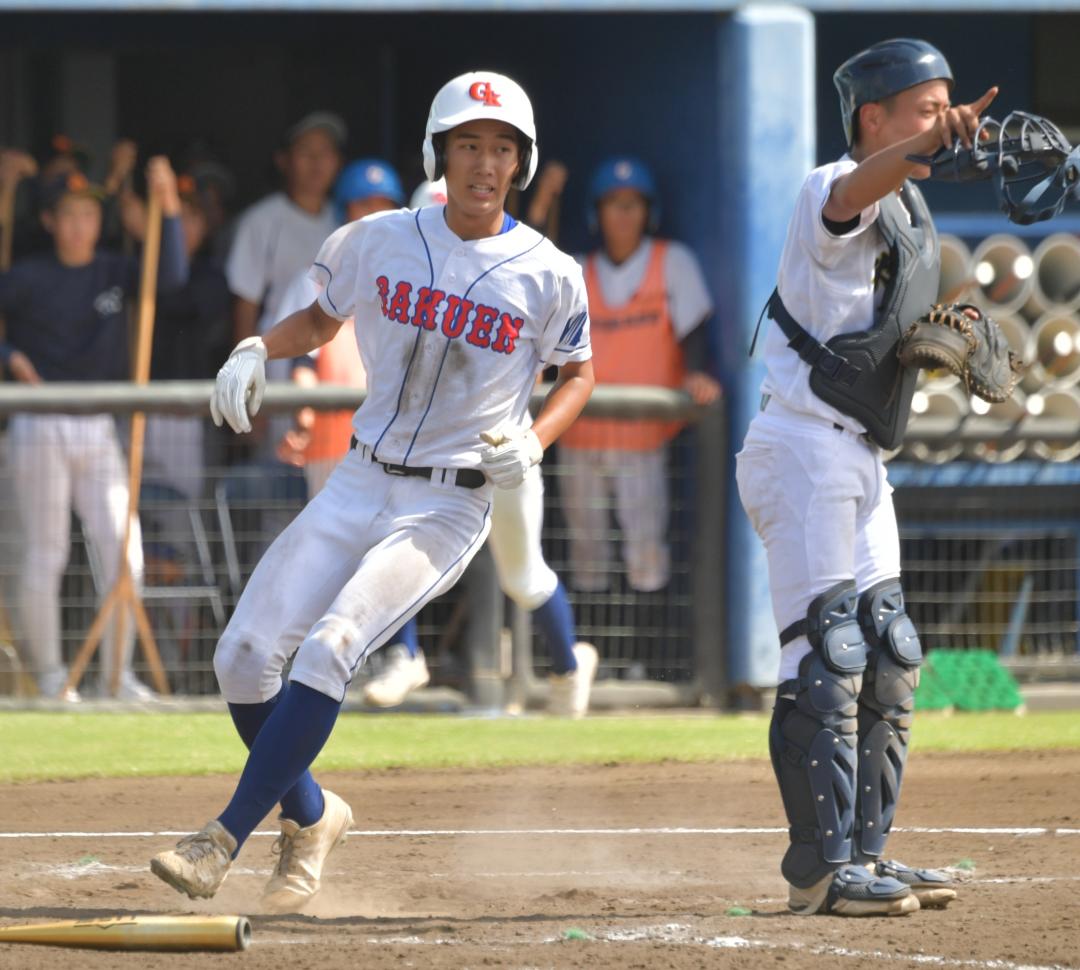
(461, 833)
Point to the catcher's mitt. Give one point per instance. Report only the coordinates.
(962, 338)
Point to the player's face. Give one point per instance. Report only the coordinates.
(623, 214)
(359, 208)
(75, 224)
(481, 162)
(312, 163)
(194, 224)
(910, 113)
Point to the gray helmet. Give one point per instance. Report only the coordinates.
(885, 69)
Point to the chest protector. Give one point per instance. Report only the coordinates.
(859, 373)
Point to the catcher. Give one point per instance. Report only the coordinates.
(860, 265)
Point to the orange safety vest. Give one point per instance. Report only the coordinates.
(338, 363)
(631, 344)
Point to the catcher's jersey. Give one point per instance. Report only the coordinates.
(827, 282)
(452, 332)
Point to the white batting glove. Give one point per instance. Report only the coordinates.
(238, 391)
(508, 455)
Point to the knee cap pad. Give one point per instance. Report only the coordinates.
(833, 630)
(886, 624)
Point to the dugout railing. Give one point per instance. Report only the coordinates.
(211, 502)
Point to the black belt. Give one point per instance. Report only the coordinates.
(465, 477)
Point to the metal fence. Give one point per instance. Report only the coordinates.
(211, 502)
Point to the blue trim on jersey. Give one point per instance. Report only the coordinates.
(446, 349)
(396, 622)
(508, 223)
(326, 289)
(412, 356)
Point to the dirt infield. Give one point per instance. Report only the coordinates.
(428, 883)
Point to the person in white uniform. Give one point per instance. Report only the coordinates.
(456, 310)
(860, 264)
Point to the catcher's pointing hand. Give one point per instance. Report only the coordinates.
(963, 339)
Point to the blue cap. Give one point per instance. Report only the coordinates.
(622, 172)
(365, 178)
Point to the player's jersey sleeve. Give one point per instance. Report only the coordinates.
(336, 270)
(688, 295)
(566, 336)
(247, 266)
(822, 245)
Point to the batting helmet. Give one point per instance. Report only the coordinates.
(481, 94)
(885, 69)
(622, 172)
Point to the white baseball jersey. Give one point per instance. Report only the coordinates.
(452, 332)
(827, 284)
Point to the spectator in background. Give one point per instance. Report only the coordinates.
(647, 304)
(280, 235)
(66, 321)
(192, 331)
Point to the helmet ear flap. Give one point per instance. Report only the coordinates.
(434, 152)
(530, 159)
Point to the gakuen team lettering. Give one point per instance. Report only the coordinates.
(449, 313)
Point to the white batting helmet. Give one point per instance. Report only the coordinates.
(481, 94)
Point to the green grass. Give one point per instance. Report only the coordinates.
(55, 745)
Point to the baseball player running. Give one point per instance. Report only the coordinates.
(517, 518)
(860, 264)
(456, 310)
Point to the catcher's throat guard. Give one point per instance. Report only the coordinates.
(859, 373)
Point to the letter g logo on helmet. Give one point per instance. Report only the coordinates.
(483, 91)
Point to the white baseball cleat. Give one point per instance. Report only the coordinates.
(199, 863)
(569, 695)
(302, 854)
(400, 676)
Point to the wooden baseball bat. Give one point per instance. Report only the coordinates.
(223, 933)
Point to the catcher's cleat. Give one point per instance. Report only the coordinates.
(199, 863)
(933, 889)
(853, 891)
(400, 676)
(569, 696)
(302, 853)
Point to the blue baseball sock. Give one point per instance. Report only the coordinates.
(288, 742)
(556, 622)
(409, 636)
(303, 803)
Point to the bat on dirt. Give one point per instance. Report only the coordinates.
(221, 933)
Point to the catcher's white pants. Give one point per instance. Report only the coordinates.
(360, 559)
(60, 462)
(638, 482)
(820, 501)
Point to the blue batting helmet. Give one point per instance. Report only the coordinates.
(885, 69)
(622, 172)
(365, 178)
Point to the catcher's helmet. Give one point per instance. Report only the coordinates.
(885, 69)
(481, 94)
(622, 172)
